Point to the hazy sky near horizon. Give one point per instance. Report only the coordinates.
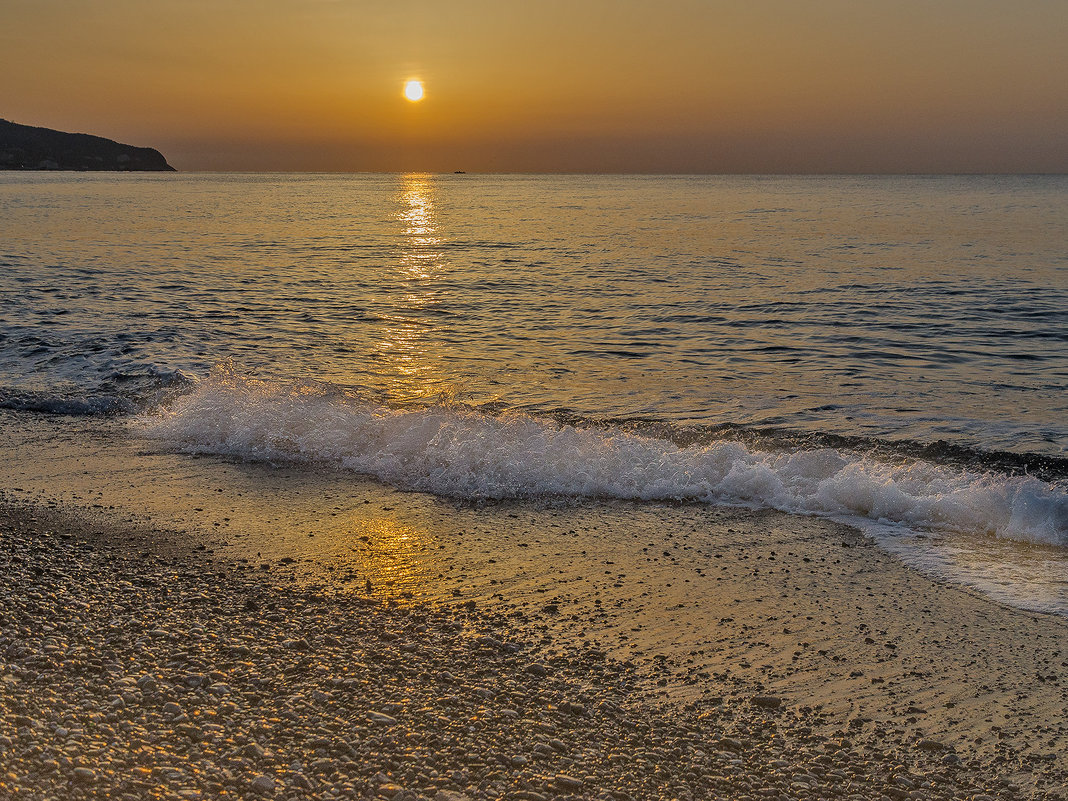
(552, 85)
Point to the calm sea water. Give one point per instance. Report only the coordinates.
(889, 351)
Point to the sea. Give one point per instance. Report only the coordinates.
(886, 352)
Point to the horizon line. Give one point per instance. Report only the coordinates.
(599, 173)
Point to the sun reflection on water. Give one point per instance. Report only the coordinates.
(410, 361)
(421, 257)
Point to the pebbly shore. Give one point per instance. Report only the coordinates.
(130, 670)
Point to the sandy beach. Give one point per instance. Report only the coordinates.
(145, 663)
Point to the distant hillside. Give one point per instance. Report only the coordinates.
(23, 147)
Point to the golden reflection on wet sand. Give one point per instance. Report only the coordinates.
(394, 556)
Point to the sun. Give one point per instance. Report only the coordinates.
(413, 90)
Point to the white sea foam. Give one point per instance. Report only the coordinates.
(463, 453)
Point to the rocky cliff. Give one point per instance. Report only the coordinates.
(24, 147)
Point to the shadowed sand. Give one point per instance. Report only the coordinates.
(688, 651)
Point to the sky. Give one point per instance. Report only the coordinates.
(655, 86)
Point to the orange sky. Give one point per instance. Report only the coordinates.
(552, 85)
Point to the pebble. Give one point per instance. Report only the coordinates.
(767, 701)
(263, 785)
(255, 750)
(345, 713)
(932, 745)
(566, 782)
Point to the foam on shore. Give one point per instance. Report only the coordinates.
(459, 452)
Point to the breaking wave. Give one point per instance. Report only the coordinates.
(111, 393)
(460, 452)
(73, 404)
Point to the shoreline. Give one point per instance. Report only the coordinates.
(134, 665)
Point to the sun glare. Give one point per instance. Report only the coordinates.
(413, 90)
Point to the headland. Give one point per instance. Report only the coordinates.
(25, 147)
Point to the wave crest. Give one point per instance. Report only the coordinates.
(459, 452)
